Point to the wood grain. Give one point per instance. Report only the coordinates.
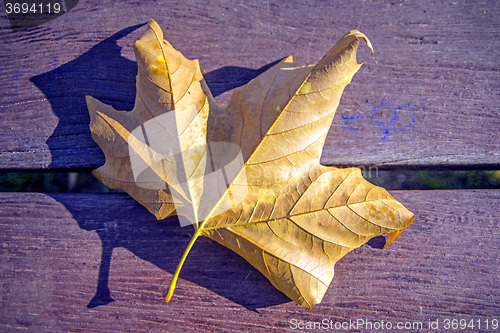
(100, 263)
(428, 97)
(445, 265)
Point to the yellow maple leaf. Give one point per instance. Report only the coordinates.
(247, 175)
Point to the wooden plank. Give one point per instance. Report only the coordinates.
(445, 265)
(429, 95)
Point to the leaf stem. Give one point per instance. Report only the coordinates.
(171, 288)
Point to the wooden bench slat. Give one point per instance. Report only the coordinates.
(445, 265)
(428, 97)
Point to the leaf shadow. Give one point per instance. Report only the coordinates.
(122, 222)
(377, 242)
(104, 74)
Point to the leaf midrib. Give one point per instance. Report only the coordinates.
(305, 213)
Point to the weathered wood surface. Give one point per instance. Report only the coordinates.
(429, 95)
(445, 265)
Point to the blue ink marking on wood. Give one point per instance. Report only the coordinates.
(414, 114)
(348, 127)
(390, 125)
(349, 118)
(385, 133)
